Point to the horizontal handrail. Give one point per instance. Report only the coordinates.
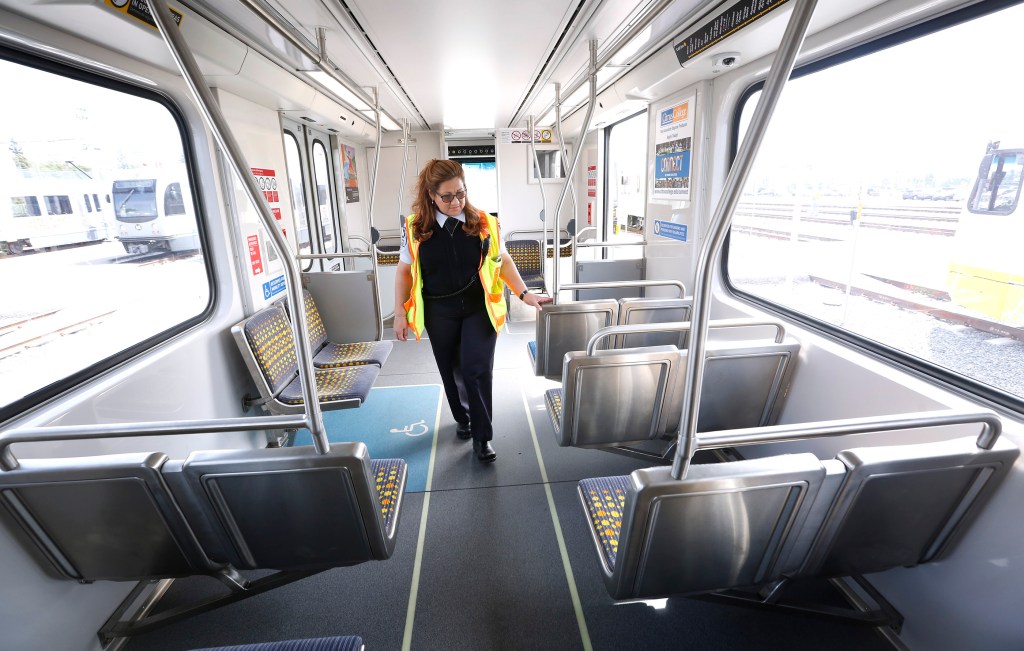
(681, 326)
(329, 256)
(360, 238)
(629, 283)
(510, 234)
(579, 233)
(992, 427)
(124, 430)
(609, 245)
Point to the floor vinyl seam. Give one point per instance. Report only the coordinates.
(567, 566)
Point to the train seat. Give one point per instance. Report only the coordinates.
(621, 399)
(526, 255)
(107, 517)
(565, 327)
(268, 347)
(636, 311)
(327, 354)
(330, 510)
(764, 521)
(337, 643)
(142, 516)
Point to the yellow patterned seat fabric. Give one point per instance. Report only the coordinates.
(356, 354)
(269, 335)
(605, 498)
(335, 384)
(387, 475)
(526, 255)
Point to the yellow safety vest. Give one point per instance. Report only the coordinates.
(490, 277)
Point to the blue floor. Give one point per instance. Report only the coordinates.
(395, 423)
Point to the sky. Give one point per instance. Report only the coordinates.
(927, 106)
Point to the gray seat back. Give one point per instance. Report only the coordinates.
(724, 525)
(745, 383)
(103, 518)
(285, 509)
(567, 327)
(903, 505)
(620, 396)
(637, 311)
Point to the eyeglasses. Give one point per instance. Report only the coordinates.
(448, 196)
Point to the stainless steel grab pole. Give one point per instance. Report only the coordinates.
(369, 215)
(576, 157)
(543, 203)
(211, 113)
(781, 68)
(575, 200)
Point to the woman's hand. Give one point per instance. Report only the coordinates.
(401, 326)
(535, 300)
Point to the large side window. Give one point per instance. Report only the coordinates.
(76, 300)
(883, 203)
(625, 180)
(324, 196)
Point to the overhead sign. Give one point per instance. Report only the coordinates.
(518, 136)
(139, 9)
(725, 24)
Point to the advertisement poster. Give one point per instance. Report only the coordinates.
(348, 156)
(673, 144)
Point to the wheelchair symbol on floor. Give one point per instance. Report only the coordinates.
(411, 430)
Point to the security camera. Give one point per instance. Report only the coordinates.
(724, 61)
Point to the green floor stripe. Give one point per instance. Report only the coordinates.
(569, 578)
(410, 614)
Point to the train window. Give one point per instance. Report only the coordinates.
(174, 201)
(858, 212)
(293, 162)
(94, 284)
(998, 185)
(57, 204)
(25, 207)
(325, 212)
(626, 178)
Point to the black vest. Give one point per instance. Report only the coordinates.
(448, 263)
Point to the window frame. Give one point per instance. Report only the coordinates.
(991, 396)
(70, 67)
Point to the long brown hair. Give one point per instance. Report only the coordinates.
(433, 174)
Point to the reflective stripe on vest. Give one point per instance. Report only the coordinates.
(490, 277)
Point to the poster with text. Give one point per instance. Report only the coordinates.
(673, 145)
(348, 155)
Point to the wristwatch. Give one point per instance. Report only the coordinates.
(523, 294)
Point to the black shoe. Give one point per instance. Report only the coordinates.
(484, 452)
(462, 431)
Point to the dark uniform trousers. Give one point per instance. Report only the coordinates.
(458, 328)
(463, 340)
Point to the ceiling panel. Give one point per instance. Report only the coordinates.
(464, 64)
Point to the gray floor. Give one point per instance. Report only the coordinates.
(491, 573)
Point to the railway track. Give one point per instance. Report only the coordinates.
(935, 221)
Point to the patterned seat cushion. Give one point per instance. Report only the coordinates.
(605, 498)
(532, 347)
(387, 255)
(553, 400)
(269, 335)
(565, 250)
(526, 255)
(335, 384)
(346, 643)
(388, 474)
(354, 354)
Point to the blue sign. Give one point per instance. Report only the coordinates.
(273, 287)
(671, 230)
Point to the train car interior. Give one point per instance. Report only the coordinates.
(773, 397)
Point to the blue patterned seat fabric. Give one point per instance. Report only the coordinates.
(346, 643)
(553, 400)
(387, 475)
(532, 347)
(604, 498)
(526, 255)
